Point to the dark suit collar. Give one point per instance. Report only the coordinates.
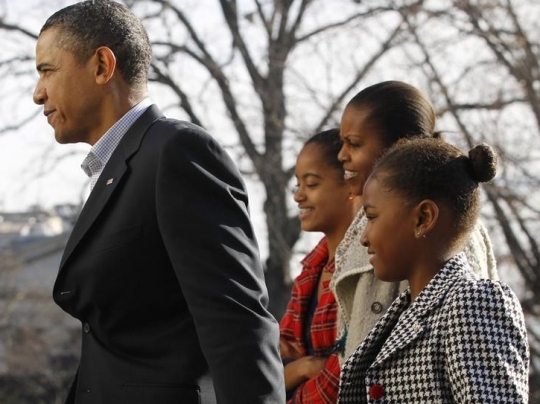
(110, 177)
(131, 142)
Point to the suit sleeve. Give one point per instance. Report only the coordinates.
(487, 355)
(203, 215)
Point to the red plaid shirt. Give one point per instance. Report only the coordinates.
(324, 387)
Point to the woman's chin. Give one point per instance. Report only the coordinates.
(356, 190)
(379, 273)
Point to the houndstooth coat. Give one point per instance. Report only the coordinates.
(462, 340)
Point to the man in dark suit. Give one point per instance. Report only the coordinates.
(162, 268)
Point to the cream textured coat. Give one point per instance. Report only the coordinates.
(362, 298)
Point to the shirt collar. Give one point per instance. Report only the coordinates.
(102, 150)
(106, 145)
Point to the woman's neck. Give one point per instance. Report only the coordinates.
(358, 203)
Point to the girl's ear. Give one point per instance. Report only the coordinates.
(427, 215)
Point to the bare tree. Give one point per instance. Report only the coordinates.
(249, 71)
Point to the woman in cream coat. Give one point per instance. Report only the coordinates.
(373, 120)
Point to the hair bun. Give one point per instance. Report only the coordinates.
(484, 163)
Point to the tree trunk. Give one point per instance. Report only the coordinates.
(283, 232)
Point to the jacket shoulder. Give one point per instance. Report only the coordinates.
(172, 136)
(169, 127)
(482, 298)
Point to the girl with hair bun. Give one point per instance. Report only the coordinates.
(450, 337)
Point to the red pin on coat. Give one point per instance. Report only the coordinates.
(376, 391)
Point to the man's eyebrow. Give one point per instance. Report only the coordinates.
(42, 66)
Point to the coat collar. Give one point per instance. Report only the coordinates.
(110, 177)
(405, 323)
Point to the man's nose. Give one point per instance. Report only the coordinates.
(39, 94)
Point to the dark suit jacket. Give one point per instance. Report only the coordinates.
(163, 271)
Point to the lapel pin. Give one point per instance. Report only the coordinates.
(110, 181)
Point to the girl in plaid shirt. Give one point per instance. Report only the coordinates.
(308, 328)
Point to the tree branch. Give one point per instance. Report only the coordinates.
(185, 104)
(231, 18)
(17, 28)
(338, 101)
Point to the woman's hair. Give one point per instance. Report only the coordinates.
(424, 168)
(330, 144)
(397, 110)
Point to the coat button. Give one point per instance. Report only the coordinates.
(376, 307)
(376, 391)
(86, 328)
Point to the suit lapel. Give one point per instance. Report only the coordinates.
(408, 328)
(414, 321)
(355, 368)
(110, 178)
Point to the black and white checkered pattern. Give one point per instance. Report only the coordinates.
(463, 340)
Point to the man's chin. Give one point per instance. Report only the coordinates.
(64, 138)
(61, 140)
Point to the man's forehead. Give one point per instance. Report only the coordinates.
(47, 45)
(49, 33)
(45, 40)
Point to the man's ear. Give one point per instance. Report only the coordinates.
(427, 215)
(105, 64)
